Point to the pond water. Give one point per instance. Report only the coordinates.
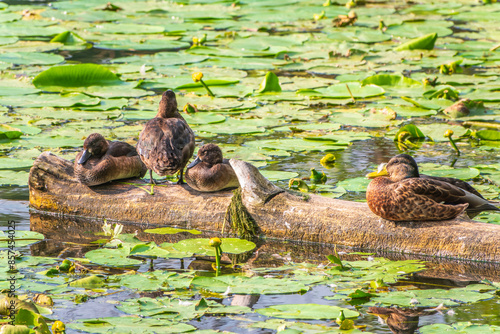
(329, 100)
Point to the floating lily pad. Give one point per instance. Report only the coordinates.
(274, 175)
(306, 311)
(81, 75)
(459, 328)
(242, 285)
(170, 230)
(201, 246)
(21, 238)
(112, 257)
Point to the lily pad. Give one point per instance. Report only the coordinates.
(306, 311)
(81, 75)
(112, 257)
(201, 246)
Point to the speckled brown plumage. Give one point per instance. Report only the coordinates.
(405, 195)
(167, 142)
(210, 172)
(102, 161)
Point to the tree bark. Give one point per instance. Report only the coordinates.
(278, 213)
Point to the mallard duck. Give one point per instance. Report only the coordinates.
(167, 142)
(406, 195)
(102, 161)
(209, 172)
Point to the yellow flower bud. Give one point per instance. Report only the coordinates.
(58, 327)
(448, 133)
(197, 76)
(215, 242)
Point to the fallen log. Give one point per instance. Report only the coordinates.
(275, 212)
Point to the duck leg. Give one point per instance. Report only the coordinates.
(151, 180)
(181, 179)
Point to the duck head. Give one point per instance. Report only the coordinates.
(400, 167)
(95, 145)
(168, 104)
(210, 154)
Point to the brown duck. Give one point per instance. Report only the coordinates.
(167, 142)
(209, 172)
(406, 195)
(102, 161)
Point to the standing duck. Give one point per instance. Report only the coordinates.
(102, 161)
(209, 172)
(406, 195)
(167, 142)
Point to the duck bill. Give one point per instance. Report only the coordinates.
(194, 163)
(85, 156)
(381, 171)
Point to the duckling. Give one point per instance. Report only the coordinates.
(167, 142)
(407, 195)
(209, 172)
(102, 161)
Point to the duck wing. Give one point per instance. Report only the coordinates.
(456, 182)
(446, 193)
(120, 149)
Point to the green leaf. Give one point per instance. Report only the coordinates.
(113, 257)
(91, 282)
(8, 132)
(276, 175)
(392, 80)
(340, 91)
(81, 75)
(361, 294)
(482, 134)
(201, 246)
(31, 58)
(459, 328)
(22, 238)
(412, 130)
(270, 83)
(68, 38)
(422, 43)
(334, 259)
(170, 230)
(306, 311)
(256, 285)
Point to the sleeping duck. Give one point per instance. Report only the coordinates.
(102, 161)
(209, 172)
(167, 142)
(404, 194)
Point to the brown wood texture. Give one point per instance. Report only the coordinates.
(279, 214)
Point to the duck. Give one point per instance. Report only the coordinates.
(102, 161)
(209, 172)
(401, 193)
(167, 142)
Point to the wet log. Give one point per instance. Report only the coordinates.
(277, 213)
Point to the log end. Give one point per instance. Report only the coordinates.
(255, 188)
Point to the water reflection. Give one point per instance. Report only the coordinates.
(399, 321)
(402, 320)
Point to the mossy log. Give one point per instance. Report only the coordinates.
(275, 212)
